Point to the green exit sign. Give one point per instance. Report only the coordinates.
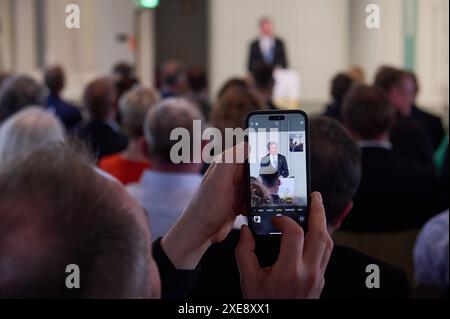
(148, 4)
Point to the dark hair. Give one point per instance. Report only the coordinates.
(340, 85)
(196, 79)
(335, 165)
(99, 97)
(54, 78)
(73, 217)
(387, 77)
(263, 76)
(413, 77)
(270, 180)
(231, 84)
(16, 93)
(367, 112)
(270, 143)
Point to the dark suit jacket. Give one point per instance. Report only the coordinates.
(69, 114)
(394, 193)
(412, 140)
(432, 124)
(102, 139)
(256, 56)
(344, 278)
(282, 164)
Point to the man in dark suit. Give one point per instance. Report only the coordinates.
(102, 134)
(335, 172)
(409, 137)
(395, 193)
(275, 160)
(431, 123)
(267, 48)
(69, 114)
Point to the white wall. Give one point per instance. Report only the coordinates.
(315, 33)
(92, 49)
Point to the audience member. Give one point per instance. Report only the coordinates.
(431, 253)
(433, 124)
(173, 79)
(232, 83)
(232, 107)
(17, 92)
(69, 114)
(26, 131)
(198, 84)
(128, 165)
(124, 77)
(87, 221)
(408, 136)
(166, 188)
(336, 172)
(395, 193)
(340, 85)
(264, 83)
(102, 134)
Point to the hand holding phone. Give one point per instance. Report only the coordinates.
(300, 267)
(277, 169)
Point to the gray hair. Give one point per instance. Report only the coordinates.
(133, 106)
(27, 131)
(166, 116)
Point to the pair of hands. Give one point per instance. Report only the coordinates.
(299, 270)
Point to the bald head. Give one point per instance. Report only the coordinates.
(75, 217)
(161, 120)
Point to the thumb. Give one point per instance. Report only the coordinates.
(245, 254)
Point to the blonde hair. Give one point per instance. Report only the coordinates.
(26, 131)
(133, 107)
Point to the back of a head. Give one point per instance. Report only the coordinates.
(387, 77)
(133, 106)
(231, 108)
(27, 131)
(335, 165)
(263, 76)
(340, 85)
(123, 69)
(269, 176)
(172, 73)
(99, 98)
(162, 119)
(231, 84)
(367, 112)
(54, 78)
(197, 79)
(16, 93)
(57, 211)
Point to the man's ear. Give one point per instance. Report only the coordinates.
(343, 215)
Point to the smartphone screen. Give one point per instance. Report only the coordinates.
(277, 168)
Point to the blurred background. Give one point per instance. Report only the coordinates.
(321, 38)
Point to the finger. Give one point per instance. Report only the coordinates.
(239, 204)
(291, 247)
(245, 254)
(318, 243)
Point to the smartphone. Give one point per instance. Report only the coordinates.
(278, 171)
